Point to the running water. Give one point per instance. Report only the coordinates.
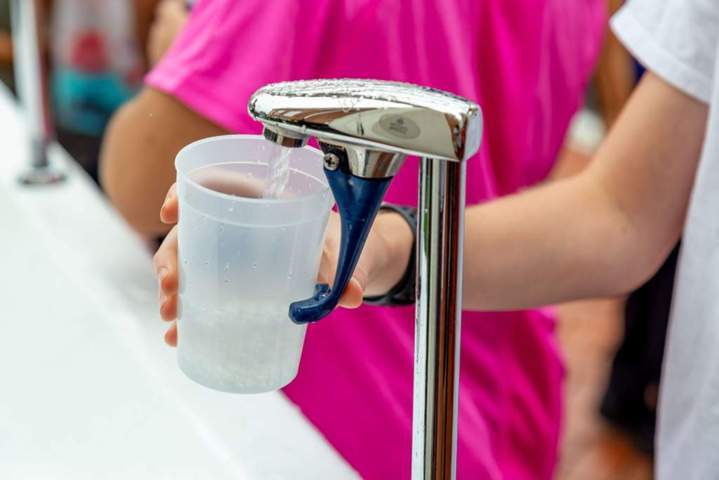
(278, 172)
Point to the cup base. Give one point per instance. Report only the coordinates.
(228, 386)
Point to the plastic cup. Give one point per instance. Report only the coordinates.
(243, 259)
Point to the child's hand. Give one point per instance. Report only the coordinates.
(383, 261)
(165, 262)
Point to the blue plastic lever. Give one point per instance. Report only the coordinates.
(358, 200)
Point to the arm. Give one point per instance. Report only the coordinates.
(144, 15)
(138, 154)
(170, 19)
(603, 232)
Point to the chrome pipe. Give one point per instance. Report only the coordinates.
(31, 78)
(440, 237)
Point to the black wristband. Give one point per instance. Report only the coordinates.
(404, 293)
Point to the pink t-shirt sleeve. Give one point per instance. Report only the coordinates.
(229, 49)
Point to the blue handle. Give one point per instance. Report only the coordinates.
(358, 200)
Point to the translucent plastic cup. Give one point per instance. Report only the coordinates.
(243, 259)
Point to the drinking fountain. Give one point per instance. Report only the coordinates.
(31, 81)
(365, 128)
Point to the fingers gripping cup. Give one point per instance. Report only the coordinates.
(244, 259)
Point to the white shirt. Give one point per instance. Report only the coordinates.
(679, 41)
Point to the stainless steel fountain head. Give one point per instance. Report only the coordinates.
(366, 128)
(377, 123)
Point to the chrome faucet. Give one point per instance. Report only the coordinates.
(31, 81)
(366, 128)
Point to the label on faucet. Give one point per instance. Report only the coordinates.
(399, 126)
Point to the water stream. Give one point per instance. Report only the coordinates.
(278, 172)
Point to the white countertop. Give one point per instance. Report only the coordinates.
(88, 389)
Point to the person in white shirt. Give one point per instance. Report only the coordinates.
(607, 230)
(678, 40)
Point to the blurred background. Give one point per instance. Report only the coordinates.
(96, 54)
(613, 347)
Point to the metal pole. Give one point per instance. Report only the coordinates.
(31, 77)
(438, 318)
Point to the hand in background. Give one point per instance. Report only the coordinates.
(170, 19)
(6, 52)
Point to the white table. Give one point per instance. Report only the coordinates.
(88, 390)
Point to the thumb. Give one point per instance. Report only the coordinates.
(354, 293)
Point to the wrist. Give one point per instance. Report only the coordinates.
(397, 241)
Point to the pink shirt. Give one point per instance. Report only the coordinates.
(526, 62)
